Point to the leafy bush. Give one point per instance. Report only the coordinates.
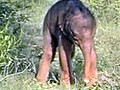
(11, 20)
(17, 25)
(11, 11)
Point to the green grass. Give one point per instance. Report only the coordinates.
(107, 42)
(26, 81)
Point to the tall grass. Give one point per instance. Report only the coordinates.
(21, 45)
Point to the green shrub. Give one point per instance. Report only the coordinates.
(11, 20)
(21, 39)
